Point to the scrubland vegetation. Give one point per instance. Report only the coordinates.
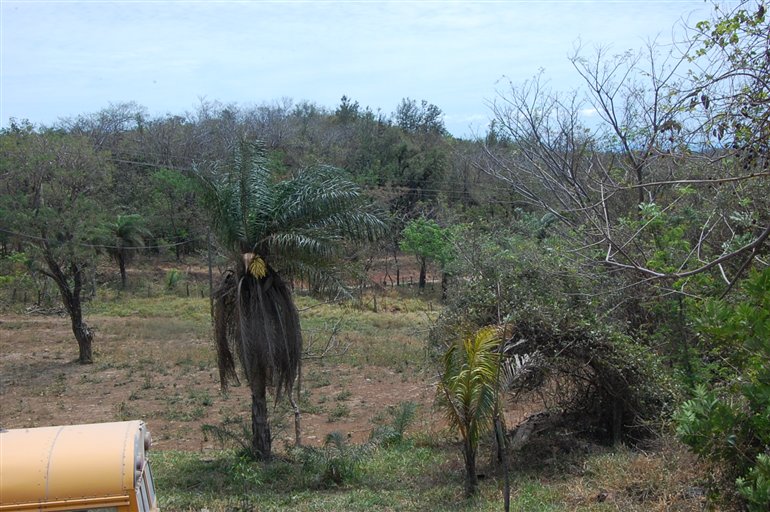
(568, 312)
(155, 360)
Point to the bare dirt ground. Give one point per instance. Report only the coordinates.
(173, 385)
(164, 371)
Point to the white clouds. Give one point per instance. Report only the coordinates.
(67, 58)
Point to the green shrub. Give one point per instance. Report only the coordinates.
(727, 421)
(402, 416)
(173, 277)
(755, 487)
(611, 385)
(233, 431)
(335, 464)
(340, 411)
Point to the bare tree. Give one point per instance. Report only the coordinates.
(646, 185)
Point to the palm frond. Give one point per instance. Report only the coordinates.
(129, 230)
(257, 320)
(257, 201)
(299, 245)
(355, 225)
(125, 233)
(323, 279)
(225, 331)
(318, 197)
(223, 205)
(518, 367)
(468, 386)
(238, 198)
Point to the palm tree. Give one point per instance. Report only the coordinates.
(274, 228)
(468, 392)
(122, 238)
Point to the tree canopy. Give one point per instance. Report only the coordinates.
(54, 188)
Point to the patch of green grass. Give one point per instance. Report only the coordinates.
(307, 406)
(187, 408)
(535, 496)
(340, 411)
(181, 308)
(161, 328)
(343, 396)
(202, 397)
(317, 379)
(187, 480)
(388, 338)
(402, 465)
(225, 481)
(396, 478)
(408, 476)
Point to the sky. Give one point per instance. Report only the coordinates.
(62, 58)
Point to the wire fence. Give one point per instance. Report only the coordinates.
(40, 294)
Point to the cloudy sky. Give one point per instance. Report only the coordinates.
(67, 57)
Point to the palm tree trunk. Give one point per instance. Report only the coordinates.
(471, 478)
(260, 426)
(502, 455)
(122, 265)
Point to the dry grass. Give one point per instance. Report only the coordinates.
(665, 478)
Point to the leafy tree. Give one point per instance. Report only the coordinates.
(122, 238)
(664, 195)
(14, 269)
(468, 393)
(52, 184)
(347, 111)
(173, 210)
(428, 242)
(274, 228)
(731, 86)
(424, 118)
(503, 268)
